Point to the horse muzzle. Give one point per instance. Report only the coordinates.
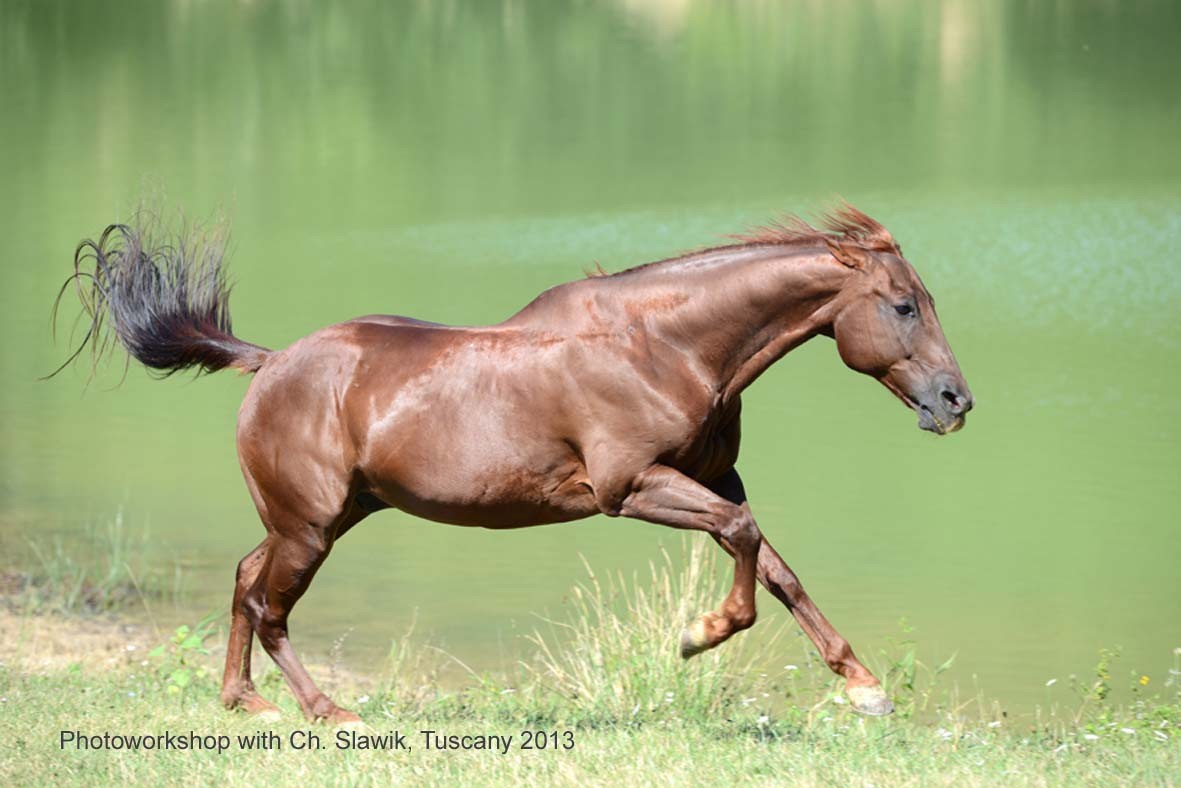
(943, 408)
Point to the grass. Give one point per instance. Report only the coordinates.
(107, 572)
(603, 688)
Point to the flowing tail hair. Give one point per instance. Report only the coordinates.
(165, 301)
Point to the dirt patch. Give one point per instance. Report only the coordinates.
(46, 643)
(11, 584)
(32, 643)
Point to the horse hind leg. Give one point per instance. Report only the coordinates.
(296, 549)
(237, 688)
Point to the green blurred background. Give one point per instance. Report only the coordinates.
(449, 160)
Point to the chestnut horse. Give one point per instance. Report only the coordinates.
(616, 394)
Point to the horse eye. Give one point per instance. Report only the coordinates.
(906, 310)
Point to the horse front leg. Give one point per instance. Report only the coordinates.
(666, 496)
(864, 690)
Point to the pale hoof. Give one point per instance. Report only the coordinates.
(870, 700)
(269, 715)
(694, 639)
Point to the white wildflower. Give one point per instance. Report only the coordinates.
(362, 699)
(1090, 737)
(1051, 682)
(791, 667)
(1127, 730)
(1161, 735)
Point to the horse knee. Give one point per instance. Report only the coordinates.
(741, 532)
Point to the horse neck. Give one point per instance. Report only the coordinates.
(739, 310)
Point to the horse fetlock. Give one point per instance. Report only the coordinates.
(742, 619)
(230, 698)
(234, 689)
(838, 655)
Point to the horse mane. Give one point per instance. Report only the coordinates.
(841, 225)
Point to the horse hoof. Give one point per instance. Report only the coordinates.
(256, 706)
(694, 639)
(870, 700)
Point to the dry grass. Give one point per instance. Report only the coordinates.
(616, 654)
(39, 643)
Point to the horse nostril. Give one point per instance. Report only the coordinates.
(955, 403)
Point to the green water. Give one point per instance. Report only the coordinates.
(449, 160)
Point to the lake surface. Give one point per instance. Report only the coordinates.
(450, 160)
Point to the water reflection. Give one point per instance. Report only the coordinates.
(472, 105)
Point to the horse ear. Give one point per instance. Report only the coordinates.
(849, 254)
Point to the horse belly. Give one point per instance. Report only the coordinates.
(452, 472)
(511, 498)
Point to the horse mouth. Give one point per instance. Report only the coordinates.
(932, 423)
(928, 419)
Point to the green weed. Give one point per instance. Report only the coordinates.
(180, 662)
(107, 570)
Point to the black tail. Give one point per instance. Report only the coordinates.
(166, 302)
